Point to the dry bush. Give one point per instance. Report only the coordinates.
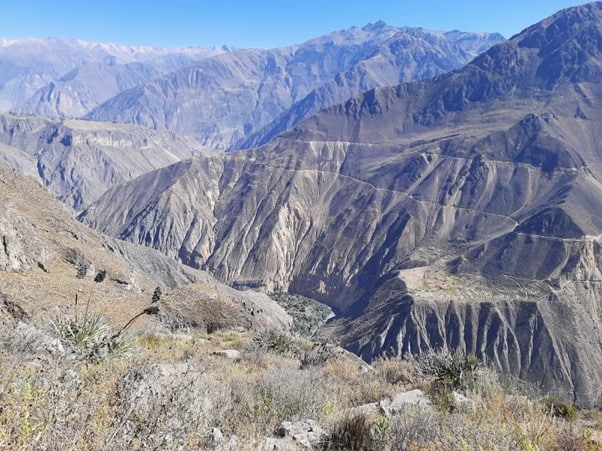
(356, 384)
(394, 371)
(259, 405)
(56, 405)
(265, 396)
(275, 342)
(353, 433)
(498, 420)
(450, 369)
(414, 428)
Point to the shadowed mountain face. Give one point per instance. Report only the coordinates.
(461, 210)
(248, 96)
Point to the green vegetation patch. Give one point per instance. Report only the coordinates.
(308, 314)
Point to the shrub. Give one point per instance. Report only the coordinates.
(393, 370)
(415, 426)
(92, 337)
(320, 353)
(452, 370)
(559, 409)
(275, 342)
(85, 335)
(352, 433)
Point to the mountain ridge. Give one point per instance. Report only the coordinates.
(33, 69)
(288, 75)
(79, 160)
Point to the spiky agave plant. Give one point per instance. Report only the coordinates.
(81, 334)
(91, 337)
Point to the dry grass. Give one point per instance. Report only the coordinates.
(172, 390)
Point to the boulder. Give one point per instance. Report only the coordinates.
(396, 405)
(303, 434)
(231, 354)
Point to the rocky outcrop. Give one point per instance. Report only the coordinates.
(179, 392)
(305, 434)
(397, 404)
(20, 248)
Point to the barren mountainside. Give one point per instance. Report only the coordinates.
(79, 160)
(459, 210)
(223, 100)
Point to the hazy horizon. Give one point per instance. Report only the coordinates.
(264, 24)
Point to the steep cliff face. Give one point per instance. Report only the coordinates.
(490, 173)
(79, 160)
(542, 332)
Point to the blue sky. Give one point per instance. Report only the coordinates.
(183, 23)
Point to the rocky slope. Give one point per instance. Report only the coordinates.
(67, 78)
(79, 160)
(487, 177)
(47, 259)
(222, 100)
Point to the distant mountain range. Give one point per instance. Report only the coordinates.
(67, 78)
(245, 97)
(460, 210)
(79, 160)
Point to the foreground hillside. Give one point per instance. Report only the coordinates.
(457, 211)
(237, 391)
(51, 265)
